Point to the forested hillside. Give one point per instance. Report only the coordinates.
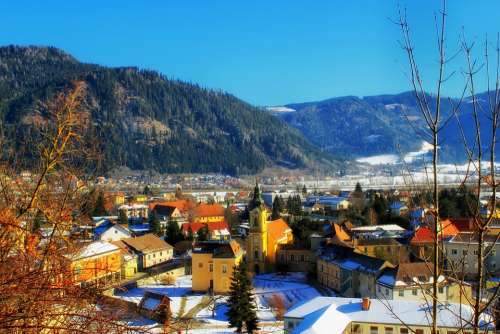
(143, 120)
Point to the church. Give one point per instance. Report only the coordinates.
(264, 236)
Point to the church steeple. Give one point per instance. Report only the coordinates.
(257, 200)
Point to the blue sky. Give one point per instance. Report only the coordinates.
(265, 52)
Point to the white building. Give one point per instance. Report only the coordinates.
(335, 315)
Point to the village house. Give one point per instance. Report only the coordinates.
(216, 230)
(421, 245)
(166, 213)
(334, 203)
(413, 281)
(398, 208)
(208, 213)
(387, 249)
(335, 315)
(129, 260)
(96, 263)
(213, 263)
(378, 231)
(134, 211)
(111, 232)
(150, 250)
(347, 272)
(462, 250)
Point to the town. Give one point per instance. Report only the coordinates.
(174, 254)
(257, 167)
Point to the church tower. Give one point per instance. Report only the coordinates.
(257, 238)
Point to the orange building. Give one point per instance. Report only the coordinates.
(97, 263)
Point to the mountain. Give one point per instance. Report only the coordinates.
(354, 127)
(143, 120)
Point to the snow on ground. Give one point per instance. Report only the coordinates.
(382, 159)
(292, 289)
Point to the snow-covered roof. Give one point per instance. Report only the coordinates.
(372, 228)
(95, 248)
(333, 314)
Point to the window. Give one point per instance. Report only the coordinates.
(414, 292)
(302, 258)
(401, 293)
(149, 256)
(366, 250)
(200, 265)
(161, 253)
(403, 330)
(419, 331)
(440, 289)
(373, 330)
(454, 251)
(210, 267)
(388, 330)
(224, 268)
(256, 255)
(292, 258)
(464, 252)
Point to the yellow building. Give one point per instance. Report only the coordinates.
(129, 260)
(140, 198)
(264, 236)
(213, 263)
(387, 249)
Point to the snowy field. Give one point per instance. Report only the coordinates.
(292, 289)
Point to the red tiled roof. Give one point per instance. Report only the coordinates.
(215, 226)
(426, 234)
(277, 228)
(463, 224)
(182, 205)
(208, 210)
(422, 235)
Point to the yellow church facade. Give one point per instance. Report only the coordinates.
(264, 238)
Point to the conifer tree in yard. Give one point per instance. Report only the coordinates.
(242, 310)
(122, 217)
(277, 207)
(154, 225)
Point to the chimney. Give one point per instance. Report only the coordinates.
(365, 304)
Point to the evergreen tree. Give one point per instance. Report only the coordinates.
(99, 207)
(147, 191)
(173, 232)
(190, 235)
(202, 234)
(358, 188)
(154, 225)
(122, 217)
(304, 191)
(277, 207)
(242, 310)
